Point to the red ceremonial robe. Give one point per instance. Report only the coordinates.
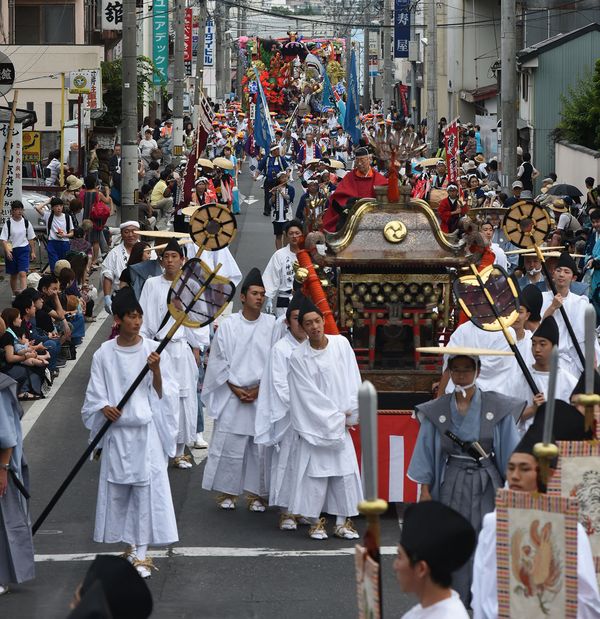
(351, 186)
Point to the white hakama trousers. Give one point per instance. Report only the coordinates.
(282, 470)
(138, 514)
(235, 464)
(338, 495)
(186, 372)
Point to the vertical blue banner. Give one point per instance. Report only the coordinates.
(352, 118)
(160, 44)
(264, 135)
(401, 28)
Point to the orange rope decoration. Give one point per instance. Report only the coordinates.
(314, 290)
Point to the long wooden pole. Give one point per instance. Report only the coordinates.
(8, 148)
(104, 429)
(62, 130)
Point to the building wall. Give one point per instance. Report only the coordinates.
(575, 163)
(38, 70)
(559, 69)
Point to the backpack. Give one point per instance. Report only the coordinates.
(26, 226)
(99, 213)
(67, 220)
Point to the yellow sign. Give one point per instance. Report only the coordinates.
(80, 82)
(32, 146)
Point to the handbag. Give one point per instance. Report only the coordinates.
(99, 213)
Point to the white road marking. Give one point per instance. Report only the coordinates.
(217, 552)
(35, 411)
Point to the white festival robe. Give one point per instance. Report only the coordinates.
(278, 277)
(273, 425)
(154, 303)
(565, 383)
(485, 570)
(323, 389)
(450, 608)
(134, 496)
(238, 355)
(574, 305)
(496, 372)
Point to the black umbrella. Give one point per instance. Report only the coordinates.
(564, 190)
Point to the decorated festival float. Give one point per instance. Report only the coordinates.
(291, 72)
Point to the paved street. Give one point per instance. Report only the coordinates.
(226, 564)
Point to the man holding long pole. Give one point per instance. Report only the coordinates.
(134, 496)
(574, 307)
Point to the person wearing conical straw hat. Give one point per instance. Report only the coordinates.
(463, 445)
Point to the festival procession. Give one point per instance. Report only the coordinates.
(307, 346)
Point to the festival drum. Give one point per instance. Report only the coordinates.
(436, 196)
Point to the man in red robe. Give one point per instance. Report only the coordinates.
(358, 183)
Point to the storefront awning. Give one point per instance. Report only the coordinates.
(479, 94)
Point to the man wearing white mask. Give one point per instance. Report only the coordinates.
(463, 446)
(533, 271)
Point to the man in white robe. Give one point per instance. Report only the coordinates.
(542, 343)
(324, 382)
(273, 427)
(134, 496)
(523, 476)
(238, 355)
(575, 305)
(184, 348)
(278, 275)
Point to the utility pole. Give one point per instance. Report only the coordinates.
(129, 150)
(199, 81)
(241, 30)
(508, 91)
(366, 68)
(432, 115)
(388, 62)
(227, 54)
(178, 80)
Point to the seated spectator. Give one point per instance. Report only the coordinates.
(70, 294)
(70, 324)
(152, 174)
(29, 379)
(25, 303)
(36, 355)
(161, 196)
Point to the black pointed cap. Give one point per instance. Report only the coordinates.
(437, 534)
(567, 261)
(93, 604)
(254, 278)
(295, 303)
(548, 329)
(124, 302)
(361, 151)
(173, 245)
(569, 424)
(531, 298)
(580, 386)
(126, 593)
(306, 307)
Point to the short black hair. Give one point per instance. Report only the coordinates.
(595, 214)
(56, 201)
(89, 181)
(153, 165)
(589, 181)
(16, 204)
(47, 280)
(164, 175)
(22, 302)
(438, 576)
(526, 156)
(294, 223)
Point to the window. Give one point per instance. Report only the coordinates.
(48, 24)
(29, 106)
(48, 113)
(525, 86)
